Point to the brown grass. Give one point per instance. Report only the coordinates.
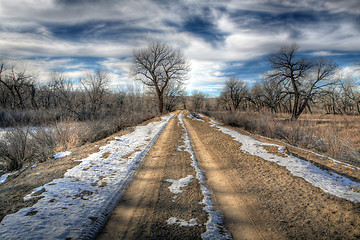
(336, 136)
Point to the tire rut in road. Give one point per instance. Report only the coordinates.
(148, 204)
(222, 178)
(280, 205)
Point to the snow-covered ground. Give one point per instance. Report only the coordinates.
(3, 177)
(31, 129)
(182, 223)
(178, 184)
(77, 205)
(197, 117)
(62, 154)
(328, 181)
(214, 226)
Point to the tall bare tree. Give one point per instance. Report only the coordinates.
(302, 78)
(157, 65)
(173, 95)
(20, 83)
(236, 90)
(197, 100)
(95, 85)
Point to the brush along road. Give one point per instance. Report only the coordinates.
(205, 181)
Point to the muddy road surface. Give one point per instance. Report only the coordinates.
(197, 183)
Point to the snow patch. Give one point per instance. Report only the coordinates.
(195, 116)
(213, 122)
(214, 225)
(78, 205)
(181, 222)
(328, 181)
(178, 184)
(3, 178)
(62, 154)
(317, 154)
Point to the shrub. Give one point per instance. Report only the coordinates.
(16, 148)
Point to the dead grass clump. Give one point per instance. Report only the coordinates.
(69, 134)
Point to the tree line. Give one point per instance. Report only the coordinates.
(296, 84)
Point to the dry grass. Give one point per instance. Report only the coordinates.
(22, 146)
(336, 136)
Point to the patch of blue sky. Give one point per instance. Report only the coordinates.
(203, 28)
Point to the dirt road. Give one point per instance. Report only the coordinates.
(258, 199)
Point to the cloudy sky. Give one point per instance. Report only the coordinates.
(220, 38)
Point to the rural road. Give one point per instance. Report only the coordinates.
(197, 183)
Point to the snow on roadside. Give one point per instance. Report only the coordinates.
(196, 117)
(214, 225)
(336, 162)
(6, 175)
(78, 205)
(3, 177)
(62, 154)
(328, 181)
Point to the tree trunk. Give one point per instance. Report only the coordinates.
(161, 104)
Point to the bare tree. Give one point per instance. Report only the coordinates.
(273, 94)
(158, 65)
(197, 100)
(95, 86)
(173, 95)
(256, 96)
(20, 84)
(236, 91)
(350, 94)
(302, 78)
(224, 101)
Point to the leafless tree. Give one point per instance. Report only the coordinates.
(173, 95)
(256, 96)
(20, 84)
(350, 94)
(224, 101)
(236, 91)
(197, 100)
(302, 78)
(273, 94)
(158, 65)
(95, 85)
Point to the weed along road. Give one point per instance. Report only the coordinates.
(202, 180)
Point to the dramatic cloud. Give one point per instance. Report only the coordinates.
(220, 38)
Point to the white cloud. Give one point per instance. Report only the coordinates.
(205, 75)
(27, 31)
(283, 6)
(326, 53)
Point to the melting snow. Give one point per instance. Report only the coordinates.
(328, 181)
(61, 155)
(3, 178)
(181, 222)
(196, 117)
(214, 227)
(177, 184)
(77, 205)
